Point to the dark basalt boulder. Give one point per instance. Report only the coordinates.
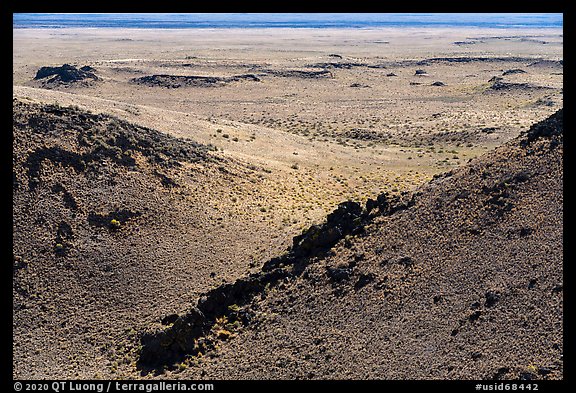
(66, 74)
(514, 71)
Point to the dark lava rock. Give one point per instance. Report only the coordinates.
(547, 63)
(169, 346)
(358, 85)
(308, 74)
(500, 373)
(176, 81)
(87, 69)
(338, 274)
(499, 85)
(420, 72)
(406, 261)
(544, 370)
(342, 221)
(558, 288)
(552, 127)
(169, 319)
(19, 263)
(475, 316)
(489, 130)
(438, 83)
(364, 280)
(65, 74)
(514, 71)
(491, 298)
(362, 134)
(391, 74)
(526, 376)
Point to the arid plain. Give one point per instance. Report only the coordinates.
(285, 124)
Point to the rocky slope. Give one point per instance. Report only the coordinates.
(124, 267)
(462, 279)
(114, 227)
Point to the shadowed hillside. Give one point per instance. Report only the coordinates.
(115, 226)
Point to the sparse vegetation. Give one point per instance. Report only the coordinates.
(119, 241)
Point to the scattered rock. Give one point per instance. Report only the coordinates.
(169, 319)
(406, 261)
(338, 274)
(552, 128)
(474, 316)
(165, 180)
(526, 376)
(489, 130)
(514, 71)
(176, 81)
(469, 59)
(364, 280)
(18, 263)
(499, 85)
(465, 42)
(544, 371)
(491, 299)
(307, 74)
(438, 83)
(544, 101)
(558, 288)
(65, 74)
(420, 72)
(547, 63)
(358, 85)
(362, 135)
(500, 373)
(111, 220)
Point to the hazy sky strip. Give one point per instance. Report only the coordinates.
(287, 20)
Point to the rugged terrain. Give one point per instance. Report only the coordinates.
(287, 204)
(115, 223)
(461, 279)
